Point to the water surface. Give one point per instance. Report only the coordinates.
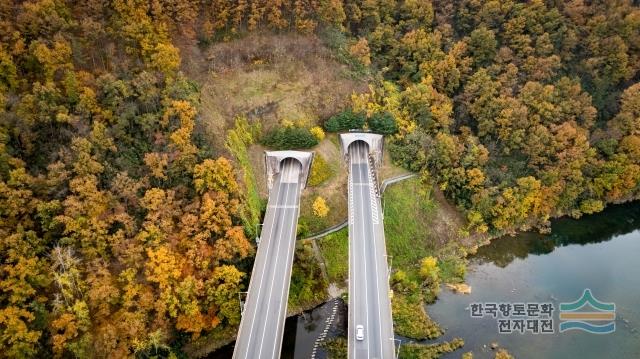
(600, 252)
(301, 332)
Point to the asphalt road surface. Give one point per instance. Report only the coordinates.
(262, 325)
(369, 303)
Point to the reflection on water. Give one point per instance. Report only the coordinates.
(301, 332)
(615, 221)
(600, 252)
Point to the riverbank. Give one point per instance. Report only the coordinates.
(413, 236)
(427, 245)
(597, 252)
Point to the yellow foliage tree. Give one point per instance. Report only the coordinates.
(320, 171)
(215, 175)
(429, 269)
(216, 211)
(181, 137)
(317, 132)
(157, 163)
(320, 207)
(165, 58)
(360, 50)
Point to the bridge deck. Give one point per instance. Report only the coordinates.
(262, 325)
(369, 303)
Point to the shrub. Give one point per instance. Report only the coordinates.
(303, 228)
(360, 51)
(320, 208)
(409, 152)
(401, 282)
(345, 120)
(317, 132)
(287, 138)
(383, 123)
(429, 270)
(320, 171)
(590, 206)
(503, 354)
(411, 320)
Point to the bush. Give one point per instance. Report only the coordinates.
(409, 152)
(320, 208)
(429, 270)
(336, 347)
(383, 123)
(503, 354)
(287, 138)
(345, 120)
(308, 285)
(411, 320)
(429, 351)
(320, 171)
(317, 132)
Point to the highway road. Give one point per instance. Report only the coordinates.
(369, 302)
(262, 325)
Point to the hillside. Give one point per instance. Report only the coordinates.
(131, 133)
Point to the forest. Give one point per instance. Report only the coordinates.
(125, 233)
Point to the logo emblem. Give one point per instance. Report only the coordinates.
(588, 314)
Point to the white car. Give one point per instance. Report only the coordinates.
(360, 332)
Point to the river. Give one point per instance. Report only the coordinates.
(600, 252)
(303, 333)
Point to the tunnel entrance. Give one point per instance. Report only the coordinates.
(276, 160)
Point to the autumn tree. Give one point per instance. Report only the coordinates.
(320, 208)
(215, 175)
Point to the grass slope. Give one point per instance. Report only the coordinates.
(335, 250)
(407, 214)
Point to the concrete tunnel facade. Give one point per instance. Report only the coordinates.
(273, 161)
(373, 140)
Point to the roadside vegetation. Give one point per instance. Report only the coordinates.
(421, 235)
(425, 255)
(320, 171)
(327, 180)
(238, 139)
(418, 227)
(429, 351)
(127, 197)
(335, 251)
(410, 318)
(337, 349)
(308, 285)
